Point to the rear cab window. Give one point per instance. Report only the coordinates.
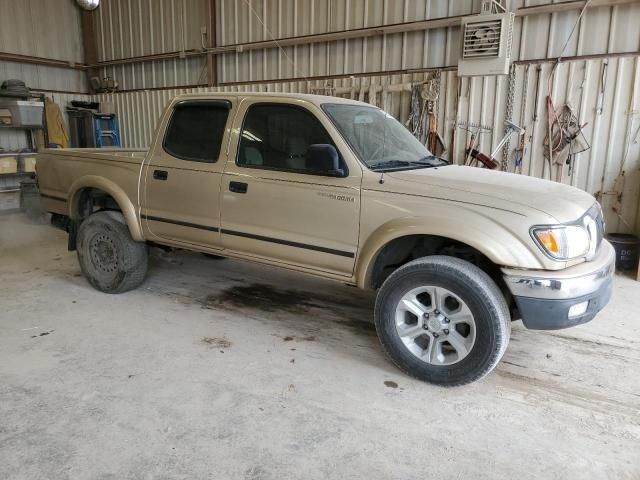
(195, 130)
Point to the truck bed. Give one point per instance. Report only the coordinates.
(59, 168)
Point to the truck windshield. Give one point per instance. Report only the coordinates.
(378, 139)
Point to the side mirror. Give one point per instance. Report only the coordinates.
(323, 158)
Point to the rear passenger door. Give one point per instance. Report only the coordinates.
(276, 208)
(181, 181)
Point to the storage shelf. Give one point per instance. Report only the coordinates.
(16, 174)
(16, 127)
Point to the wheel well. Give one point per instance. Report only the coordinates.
(405, 249)
(91, 200)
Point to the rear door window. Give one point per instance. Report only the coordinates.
(196, 129)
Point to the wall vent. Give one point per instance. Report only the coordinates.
(486, 45)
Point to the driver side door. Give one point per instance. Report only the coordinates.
(273, 206)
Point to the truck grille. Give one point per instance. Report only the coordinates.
(595, 214)
(599, 219)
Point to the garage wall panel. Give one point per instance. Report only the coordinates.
(47, 29)
(129, 28)
(133, 28)
(42, 28)
(535, 37)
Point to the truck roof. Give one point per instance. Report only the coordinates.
(315, 99)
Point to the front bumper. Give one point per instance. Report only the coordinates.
(549, 300)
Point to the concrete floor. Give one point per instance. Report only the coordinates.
(222, 369)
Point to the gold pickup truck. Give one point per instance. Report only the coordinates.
(339, 189)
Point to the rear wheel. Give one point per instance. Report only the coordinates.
(442, 320)
(110, 259)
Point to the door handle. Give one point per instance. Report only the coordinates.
(160, 174)
(238, 187)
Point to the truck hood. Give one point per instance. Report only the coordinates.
(491, 188)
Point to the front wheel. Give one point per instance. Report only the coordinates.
(442, 320)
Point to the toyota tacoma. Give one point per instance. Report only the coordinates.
(339, 189)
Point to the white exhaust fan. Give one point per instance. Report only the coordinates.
(486, 41)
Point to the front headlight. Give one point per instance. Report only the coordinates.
(562, 242)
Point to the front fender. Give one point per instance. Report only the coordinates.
(495, 240)
(118, 194)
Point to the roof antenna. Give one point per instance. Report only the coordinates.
(381, 181)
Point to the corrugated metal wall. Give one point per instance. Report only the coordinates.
(131, 28)
(128, 28)
(41, 28)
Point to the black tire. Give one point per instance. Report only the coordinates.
(110, 259)
(481, 295)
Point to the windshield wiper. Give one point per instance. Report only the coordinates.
(433, 159)
(390, 164)
(425, 162)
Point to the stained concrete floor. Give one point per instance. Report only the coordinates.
(226, 370)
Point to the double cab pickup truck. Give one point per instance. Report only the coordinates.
(341, 190)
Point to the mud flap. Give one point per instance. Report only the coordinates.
(72, 228)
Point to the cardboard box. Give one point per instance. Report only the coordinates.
(8, 165)
(5, 117)
(29, 164)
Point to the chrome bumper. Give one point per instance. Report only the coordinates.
(571, 282)
(549, 300)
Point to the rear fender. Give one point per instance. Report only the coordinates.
(110, 188)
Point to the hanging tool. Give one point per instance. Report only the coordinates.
(565, 137)
(521, 151)
(535, 105)
(475, 129)
(473, 145)
(603, 84)
(510, 128)
(435, 143)
(415, 122)
(508, 117)
(490, 161)
(423, 114)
